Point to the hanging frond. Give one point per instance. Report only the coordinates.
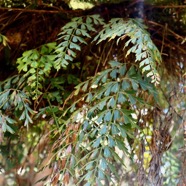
(146, 53)
(37, 65)
(104, 122)
(71, 37)
(14, 101)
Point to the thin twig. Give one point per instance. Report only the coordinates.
(163, 41)
(42, 11)
(170, 6)
(169, 30)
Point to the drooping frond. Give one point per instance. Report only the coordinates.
(146, 53)
(14, 101)
(37, 65)
(105, 121)
(72, 35)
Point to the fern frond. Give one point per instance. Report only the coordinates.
(105, 120)
(15, 101)
(71, 37)
(146, 53)
(37, 65)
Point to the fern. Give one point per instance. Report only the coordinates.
(92, 134)
(105, 120)
(146, 53)
(37, 65)
(14, 101)
(72, 36)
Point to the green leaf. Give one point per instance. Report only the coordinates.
(123, 131)
(84, 88)
(85, 125)
(99, 120)
(115, 88)
(9, 129)
(111, 142)
(73, 107)
(150, 74)
(132, 99)
(4, 126)
(81, 40)
(116, 157)
(106, 152)
(125, 84)
(97, 142)
(84, 33)
(104, 78)
(74, 39)
(103, 164)
(121, 145)
(89, 97)
(89, 165)
(146, 68)
(101, 174)
(111, 102)
(64, 63)
(22, 117)
(114, 129)
(134, 85)
(10, 120)
(102, 104)
(113, 169)
(68, 57)
(113, 73)
(27, 53)
(114, 64)
(34, 55)
(103, 130)
(108, 116)
(122, 70)
(94, 154)
(88, 20)
(116, 115)
(34, 64)
(108, 90)
(121, 98)
(144, 62)
(75, 46)
(98, 182)
(132, 71)
(93, 133)
(23, 68)
(32, 70)
(144, 85)
(88, 175)
(127, 118)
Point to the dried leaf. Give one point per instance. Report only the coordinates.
(66, 178)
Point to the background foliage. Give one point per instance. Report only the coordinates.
(92, 96)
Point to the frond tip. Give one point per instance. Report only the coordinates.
(72, 35)
(146, 53)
